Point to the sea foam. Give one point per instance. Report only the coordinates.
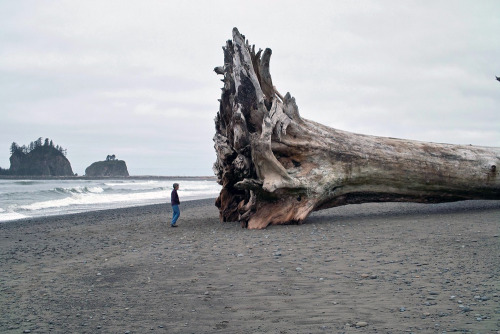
(6, 216)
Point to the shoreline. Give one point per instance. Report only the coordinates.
(375, 267)
(29, 198)
(405, 208)
(93, 213)
(132, 177)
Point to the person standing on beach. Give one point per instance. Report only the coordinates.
(174, 200)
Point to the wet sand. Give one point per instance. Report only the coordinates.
(371, 268)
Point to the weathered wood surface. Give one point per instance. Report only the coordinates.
(276, 167)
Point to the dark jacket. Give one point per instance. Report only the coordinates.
(174, 198)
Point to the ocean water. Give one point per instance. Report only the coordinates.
(37, 198)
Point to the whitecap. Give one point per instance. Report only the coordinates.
(6, 216)
(95, 190)
(79, 190)
(121, 184)
(85, 199)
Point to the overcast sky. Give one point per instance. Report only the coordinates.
(135, 78)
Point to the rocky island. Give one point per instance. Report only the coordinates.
(40, 158)
(110, 167)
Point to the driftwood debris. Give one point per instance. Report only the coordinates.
(276, 167)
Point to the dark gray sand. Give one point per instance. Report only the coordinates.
(371, 268)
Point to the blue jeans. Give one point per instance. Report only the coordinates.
(176, 213)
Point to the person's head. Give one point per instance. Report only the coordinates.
(176, 186)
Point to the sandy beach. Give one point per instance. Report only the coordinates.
(371, 268)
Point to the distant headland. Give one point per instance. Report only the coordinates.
(39, 158)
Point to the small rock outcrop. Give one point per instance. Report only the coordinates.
(39, 160)
(111, 168)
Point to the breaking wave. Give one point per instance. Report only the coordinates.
(25, 199)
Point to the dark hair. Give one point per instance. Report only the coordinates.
(176, 185)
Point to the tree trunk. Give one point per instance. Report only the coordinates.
(276, 168)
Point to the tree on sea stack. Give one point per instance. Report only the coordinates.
(276, 167)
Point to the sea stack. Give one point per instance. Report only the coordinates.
(39, 160)
(111, 167)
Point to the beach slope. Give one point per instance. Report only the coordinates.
(371, 268)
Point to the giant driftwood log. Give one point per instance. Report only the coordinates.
(276, 167)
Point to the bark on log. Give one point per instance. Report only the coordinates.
(276, 167)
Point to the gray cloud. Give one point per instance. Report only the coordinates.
(135, 78)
